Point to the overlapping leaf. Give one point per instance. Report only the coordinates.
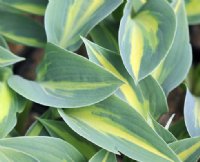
(66, 20)
(105, 124)
(191, 114)
(173, 70)
(61, 130)
(8, 155)
(142, 36)
(31, 6)
(7, 58)
(103, 156)
(22, 29)
(193, 11)
(105, 34)
(145, 98)
(10, 104)
(66, 80)
(188, 150)
(43, 148)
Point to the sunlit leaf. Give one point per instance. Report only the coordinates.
(67, 20)
(146, 36)
(116, 127)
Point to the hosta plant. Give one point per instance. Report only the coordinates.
(108, 68)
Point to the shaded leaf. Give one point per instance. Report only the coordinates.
(22, 29)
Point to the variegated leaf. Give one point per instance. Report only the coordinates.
(145, 97)
(3, 42)
(59, 129)
(66, 80)
(31, 6)
(170, 73)
(193, 11)
(142, 36)
(8, 58)
(10, 104)
(75, 18)
(105, 124)
(188, 150)
(192, 114)
(22, 29)
(103, 156)
(44, 149)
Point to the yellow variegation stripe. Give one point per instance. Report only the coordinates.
(105, 63)
(30, 41)
(139, 37)
(70, 23)
(39, 10)
(69, 86)
(106, 157)
(193, 7)
(197, 112)
(6, 100)
(107, 126)
(189, 151)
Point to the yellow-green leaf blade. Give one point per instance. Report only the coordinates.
(142, 36)
(74, 19)
(188, 150)
(31, 6)
(193, 11)
(113, 125)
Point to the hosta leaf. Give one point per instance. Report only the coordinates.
(66, 80)
(8, 155)
(31, 6)
(170, 73)
(10, 104)
(188, 149)
(59, 129)
(22, 29)
(166, 135)
(37, 129)
(116, 127)
(105, 34)
(44, 148)
(142, 36)
(193, 11)
(3, 42)
(153, 100)
(74, 18)
(7, 58)
(191, 114)
(103, 156)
